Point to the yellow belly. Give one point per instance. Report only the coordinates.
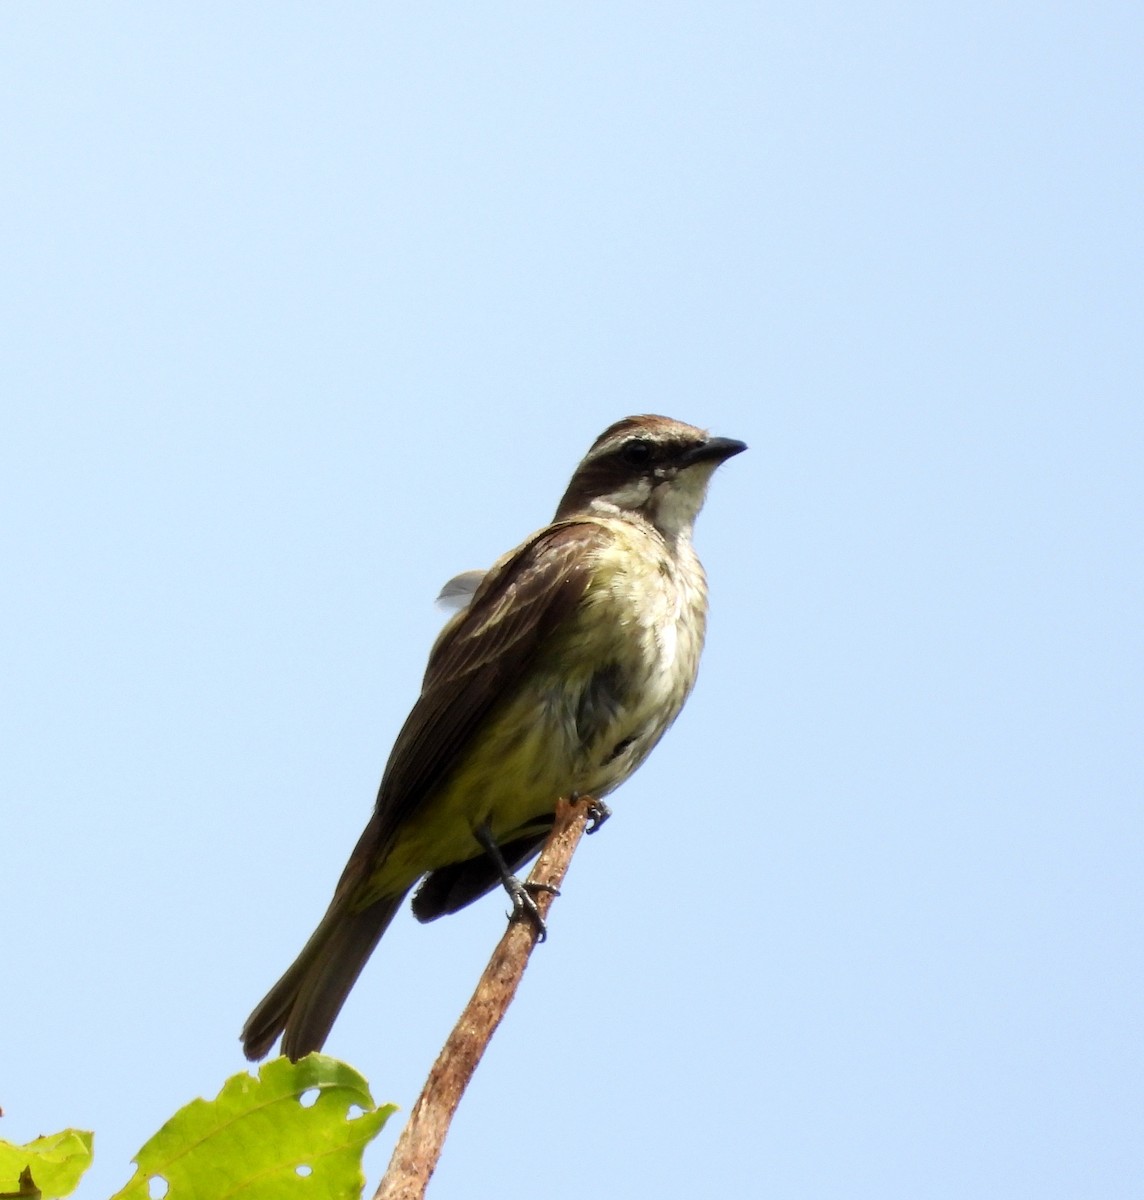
(639, 615)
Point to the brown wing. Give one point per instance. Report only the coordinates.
(477, 660)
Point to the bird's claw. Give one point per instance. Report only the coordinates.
(541, 887)
(524, 907)
(598, 813)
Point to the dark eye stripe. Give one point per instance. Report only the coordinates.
(637, 452)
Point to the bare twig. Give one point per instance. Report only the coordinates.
(419, 1146)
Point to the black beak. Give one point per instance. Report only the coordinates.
(712, 450)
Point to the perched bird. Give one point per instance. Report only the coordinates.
(565, 665)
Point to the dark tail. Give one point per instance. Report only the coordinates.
(303, 1005)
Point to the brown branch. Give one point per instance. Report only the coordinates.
(419, 1146)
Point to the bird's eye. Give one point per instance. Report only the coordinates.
(637, 452)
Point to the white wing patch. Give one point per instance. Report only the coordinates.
(458, 592)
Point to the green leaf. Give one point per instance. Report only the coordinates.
(56, 1163)
(251, 1142)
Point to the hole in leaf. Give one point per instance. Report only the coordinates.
(309, 1097)
(157, 1187)
(303, 1169)
(354, 1111)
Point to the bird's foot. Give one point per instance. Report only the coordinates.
(598, 813)
(551, 889)
(524, 906)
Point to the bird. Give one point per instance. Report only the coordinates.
(566, 662)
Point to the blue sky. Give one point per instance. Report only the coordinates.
(306, 310)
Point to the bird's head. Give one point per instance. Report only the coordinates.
(648, 466)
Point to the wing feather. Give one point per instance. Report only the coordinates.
(479, 656)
